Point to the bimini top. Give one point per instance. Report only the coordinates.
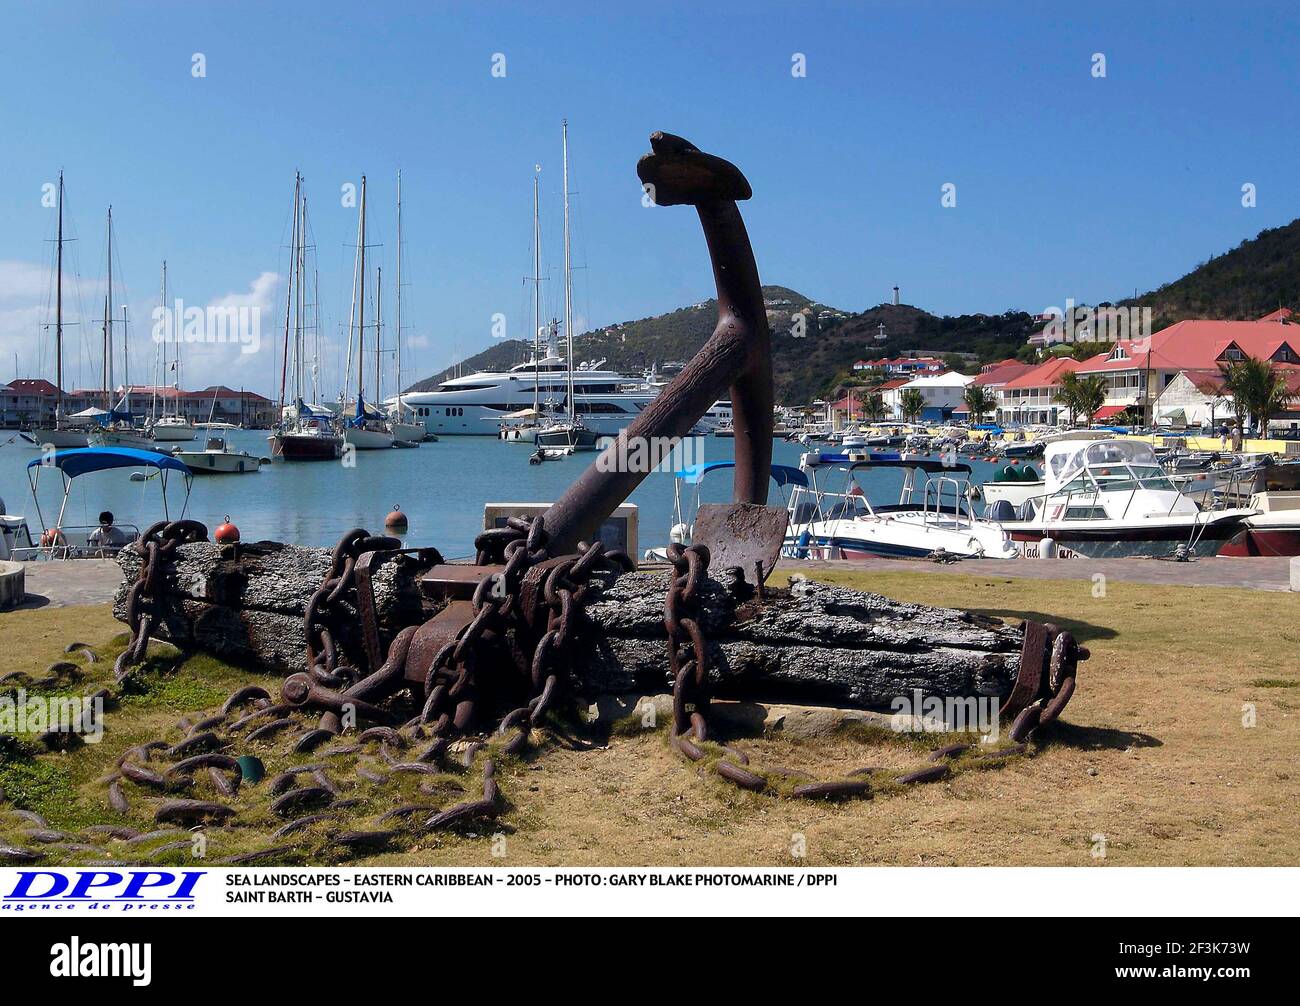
(83, 460)
(921, 464)
(781, 474)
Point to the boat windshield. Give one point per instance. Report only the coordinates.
(1113, 465)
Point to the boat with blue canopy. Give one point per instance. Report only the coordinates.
(68, 542)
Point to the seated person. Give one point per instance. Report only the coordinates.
(106, 535)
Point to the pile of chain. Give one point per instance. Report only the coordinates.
(513, 648)
(1035, 700)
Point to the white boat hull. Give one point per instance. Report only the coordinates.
(902, 535)
(218, 462)
(367, 440)
(172, 433)
(61, 438)
(409, 431)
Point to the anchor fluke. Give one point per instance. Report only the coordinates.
(679, 173)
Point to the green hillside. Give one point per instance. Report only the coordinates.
(1254, 279)
(814, 346)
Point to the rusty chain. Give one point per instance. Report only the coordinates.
(156, 547)
(1045, 682)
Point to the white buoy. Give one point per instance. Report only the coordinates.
(1047, 548)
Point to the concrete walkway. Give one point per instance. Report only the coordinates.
(77, 581)
(1270, 573)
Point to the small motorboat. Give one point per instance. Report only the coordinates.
(845, 524)
(217, 458)
(64, 541)
(1111, 498)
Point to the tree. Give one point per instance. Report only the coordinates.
(875, 406)
(979, 400)
(1257, 390)
(1082, 396)
(912, 402)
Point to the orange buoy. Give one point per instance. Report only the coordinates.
(396, 520)
(227, 533)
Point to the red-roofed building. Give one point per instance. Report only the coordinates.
(903, 365)
(1198, 398)
(1187, 345)
(1030, 397)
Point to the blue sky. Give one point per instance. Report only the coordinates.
(1068, 186)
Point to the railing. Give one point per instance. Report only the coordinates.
(77, 543)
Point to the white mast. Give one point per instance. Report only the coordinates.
(379, 334)
(537, 291)
(398, 357)
(153, 404)
(108, 320)
(361, 300)
(58, 314)
(568, 278)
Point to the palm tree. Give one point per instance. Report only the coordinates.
(912, 402)
(875, 406)
(979, 400)
(1257, 390)
(1082, 396)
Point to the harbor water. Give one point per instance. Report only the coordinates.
(441, 486)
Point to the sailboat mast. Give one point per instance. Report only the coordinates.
(537, 294)
(153, 407)
(108, 320)
(568, 277)
(288, 292)
(299, 289)
(361, 300)
(379, 329)
(58, 314)
(398, 354)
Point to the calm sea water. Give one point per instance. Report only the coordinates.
(441, 486)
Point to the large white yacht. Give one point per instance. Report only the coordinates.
(475, 405)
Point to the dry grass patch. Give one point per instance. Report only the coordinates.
(1152, 754)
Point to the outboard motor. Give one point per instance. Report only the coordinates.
(1001, 510)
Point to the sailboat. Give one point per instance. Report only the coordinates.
(367, 428)
(174, 428)
(304, 433)
(62, 433)
(411, 432)
(569, 434)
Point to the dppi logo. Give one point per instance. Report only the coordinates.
(132, 890)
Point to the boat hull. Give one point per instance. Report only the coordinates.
(306, 447)
(61, 438)
(173, 434)
(368, 440)
(578, 440)
(218, 463)
(1121, 541)
(410, 432)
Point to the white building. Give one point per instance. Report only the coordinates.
(941, 392)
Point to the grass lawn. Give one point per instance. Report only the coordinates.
(1152, 760)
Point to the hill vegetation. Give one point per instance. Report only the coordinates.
(814, 346)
